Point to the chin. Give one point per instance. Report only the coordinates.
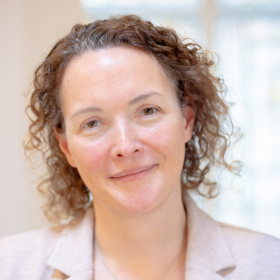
(137, 200)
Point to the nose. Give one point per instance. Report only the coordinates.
(125, 141)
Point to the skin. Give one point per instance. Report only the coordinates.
(140, 221)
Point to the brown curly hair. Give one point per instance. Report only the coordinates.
(186, 64)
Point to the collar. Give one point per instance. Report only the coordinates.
(208, 254)
(72, 253)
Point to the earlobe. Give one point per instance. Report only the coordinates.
(189, 117)
(63, 145)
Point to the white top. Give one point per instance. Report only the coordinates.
(215, 251)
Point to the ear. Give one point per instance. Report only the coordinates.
(189, 117)
(63, 145)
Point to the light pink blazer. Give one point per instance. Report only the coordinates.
(216, 251)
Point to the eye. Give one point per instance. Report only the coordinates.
(91, 124)
(149, 111)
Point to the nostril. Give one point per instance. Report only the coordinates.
(120, 155)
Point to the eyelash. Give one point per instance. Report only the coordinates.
(141, 111)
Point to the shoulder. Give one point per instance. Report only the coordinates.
(245, 239)
(25, 252)
(253, 250)
(28, 242)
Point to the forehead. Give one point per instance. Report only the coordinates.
(113, 70)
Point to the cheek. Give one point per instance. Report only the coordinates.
(173, 132)
(90, 157)
(167, 140)
(157, 135)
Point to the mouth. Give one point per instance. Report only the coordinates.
(135, 176)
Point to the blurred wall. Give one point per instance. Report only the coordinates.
(28, 29)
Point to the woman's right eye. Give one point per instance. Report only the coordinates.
(91, 124)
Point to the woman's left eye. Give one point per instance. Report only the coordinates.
(150, 111)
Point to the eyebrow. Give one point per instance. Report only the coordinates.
(131, 102)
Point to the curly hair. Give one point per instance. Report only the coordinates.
(184, 61)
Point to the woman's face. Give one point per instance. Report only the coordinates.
(122, 116)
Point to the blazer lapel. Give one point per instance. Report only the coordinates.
(87, 275)
(199, 271)
(72, 254)
(208, 254)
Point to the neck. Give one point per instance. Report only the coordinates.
(155, 237)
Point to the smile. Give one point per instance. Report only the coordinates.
(135, 176)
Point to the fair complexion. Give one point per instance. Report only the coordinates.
(121, 112)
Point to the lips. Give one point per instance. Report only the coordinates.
(132, 171)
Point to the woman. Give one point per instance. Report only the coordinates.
(129, 118)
